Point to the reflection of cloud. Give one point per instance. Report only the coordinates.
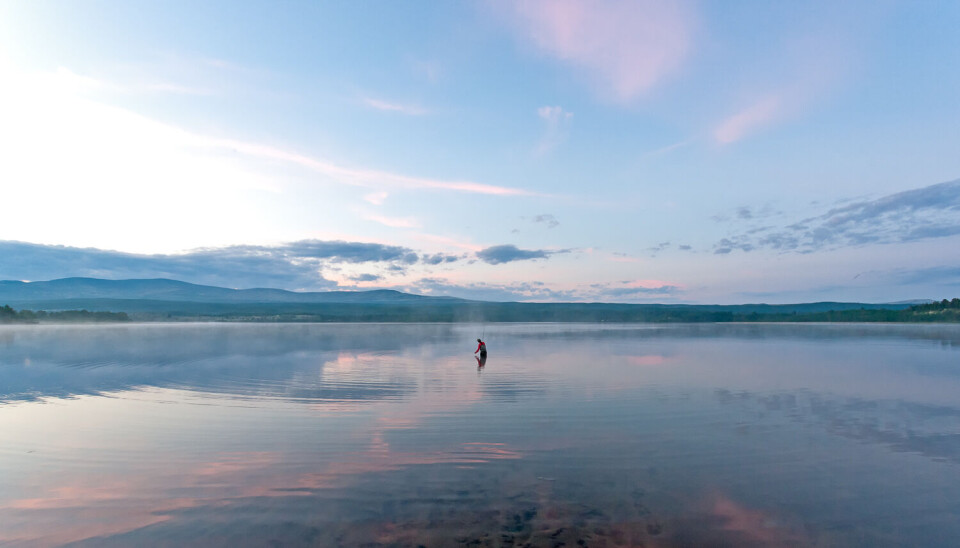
(92, 507)
(287, 362)
(626, 46)
(919, 214)
(647, 360)
(751, 525)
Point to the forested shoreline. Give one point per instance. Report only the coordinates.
(9, 315)
(945, 311)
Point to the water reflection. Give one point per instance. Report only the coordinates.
(386, 435)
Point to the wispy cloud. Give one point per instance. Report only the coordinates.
(658, 248)
(643, 288)
(626, 291)
(431, 70)
(376, 198)
(669, 148)
(912, 215)
(508, 253)
(556, 126)
(748, 120)
(49, 93)
(392, 222)
(626, 46)
(516, 291)
(388, 106)
(947, 275)
(813, 63)
(547, 219)
(357, 176)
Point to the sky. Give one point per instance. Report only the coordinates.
(621, 151)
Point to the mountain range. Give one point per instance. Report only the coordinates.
(164, 299)
(173, 290)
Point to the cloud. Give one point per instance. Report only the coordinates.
(439, 258)
(668, 148)
(500, 254)
(941, 275)
(392, 222)
(376, 198)
(621, 292)
(357, 176)
(634, 289)
(812, 63)
(658, 248)
(516, 291)
(547, 219)
(366, 278)
(556, 122)
(625, 46)
(625, 291)
(431, 70)
(410, 110)
(918, 214)
(337, 251)
(51, 115)
(293, 265)
(748, 120)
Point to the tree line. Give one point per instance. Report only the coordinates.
(10, 315)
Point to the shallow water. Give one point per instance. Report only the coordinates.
(589, 435)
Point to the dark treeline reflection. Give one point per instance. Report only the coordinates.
(945, 335)
(62, 361)
(271, 359)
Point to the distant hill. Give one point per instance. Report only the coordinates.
(162, 289)
(163, 299)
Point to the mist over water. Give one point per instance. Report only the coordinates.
(384, 434)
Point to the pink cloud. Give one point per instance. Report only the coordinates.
(627, 46)
(749, 120)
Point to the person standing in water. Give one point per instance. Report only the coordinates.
(482, 349)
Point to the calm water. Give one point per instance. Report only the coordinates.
(697, 435)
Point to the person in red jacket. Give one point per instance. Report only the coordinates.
(481, 348)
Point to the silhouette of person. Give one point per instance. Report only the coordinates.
(481, 348)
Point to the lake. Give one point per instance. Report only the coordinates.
(394, 435)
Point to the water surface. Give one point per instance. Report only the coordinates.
(391, 435)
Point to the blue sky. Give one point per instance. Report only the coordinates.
(701, 152)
